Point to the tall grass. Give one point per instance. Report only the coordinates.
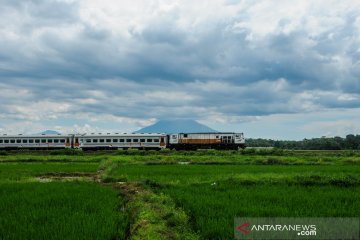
(15, 171)
(212, 208)
(189, 174)
(75, 210)
(212, 195)
(211, 186)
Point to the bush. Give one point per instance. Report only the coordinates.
(66, 151)
(4, 153)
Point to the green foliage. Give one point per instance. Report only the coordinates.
(213, 207)
(75, 210)
(190, 174)
(26, 171)
(206, 187)
(155, 216)
(36, 157)
(4, 153)
(212, 195)
(335, 143)
(67, 151)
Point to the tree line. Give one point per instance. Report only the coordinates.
(325, 143)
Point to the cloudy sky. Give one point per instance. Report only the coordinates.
(269, 68)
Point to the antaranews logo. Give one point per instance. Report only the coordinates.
(243, 228)
(296, 228)
(302, 230)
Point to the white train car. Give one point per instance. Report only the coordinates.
(216, 140)
(35, 141)
(121, 141)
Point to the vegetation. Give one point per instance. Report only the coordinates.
(60, 210)
(155, 216)
(257, 174)
(212, 195)
(335, 143)
(212, 207)
(28, 171)
(169, 194)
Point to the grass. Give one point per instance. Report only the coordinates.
(65, 156)
(213, 195)
(212, 208)
(72, 210)
(189, 174)
(16, 171)
(247, 156)
(57, 210)
(155, 216)
(170, 194)
(244, 157)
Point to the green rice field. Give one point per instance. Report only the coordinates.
(60, 210)
(213, 195)
(168, 194)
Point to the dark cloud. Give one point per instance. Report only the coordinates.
(167, 68)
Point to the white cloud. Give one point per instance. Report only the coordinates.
(334, 128)
(37, 110)
(131, 62)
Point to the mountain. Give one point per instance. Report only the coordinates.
(49, 132)
(176, 126)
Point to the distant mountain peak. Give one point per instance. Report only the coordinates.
(176, 126)
(49, 132)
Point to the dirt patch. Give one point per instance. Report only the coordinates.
(129, 189)
(153, 216)
(69, 176)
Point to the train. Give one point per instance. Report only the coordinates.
(145, 141)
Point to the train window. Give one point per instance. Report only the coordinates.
(25, 141)
(135, 140)
(217, 136)
(62, 140)
(128, 140)
(37, 140)
(185, 135)
(31, 140)
(95, 140)
(50, 141)
(12, 141)
(121, 140)
(102, 140)
(56, 140)
(115, 140)
(1, 141)
(43, 140)
(148, 140)
(156, 140)
(108, 140)
(142, 140)
(88, 140)
(18, 140)
(6, 141)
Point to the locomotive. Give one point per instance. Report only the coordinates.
(96, 141)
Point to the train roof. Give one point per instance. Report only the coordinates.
(33, 135)
(208, 133)
(102, 134)
(120, 134)
(78, 134)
